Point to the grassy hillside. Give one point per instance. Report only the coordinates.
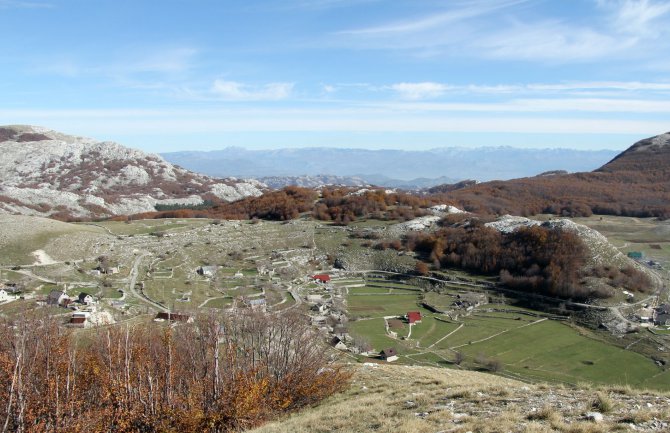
(22, 235)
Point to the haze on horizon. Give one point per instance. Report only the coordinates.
(174, 75)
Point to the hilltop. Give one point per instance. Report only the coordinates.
(48, 173)
(634, 183)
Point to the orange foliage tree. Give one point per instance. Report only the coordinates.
(218, 374)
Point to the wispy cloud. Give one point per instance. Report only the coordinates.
(315, 120)
(415, 91)
(20, 4)
(551, 41)
(637, 17)
(534, 105)
(462, 12)
(618, 28)
(235, 91)
(432, 90)
(323, 4)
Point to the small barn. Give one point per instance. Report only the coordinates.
(388, 355)
(413, 317)
(4, 296)
(321, 278)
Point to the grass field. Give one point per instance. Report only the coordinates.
(528, 347)
(553, 351)
(382, 305)
(219, 302)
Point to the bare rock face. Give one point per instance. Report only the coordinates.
(46, 173)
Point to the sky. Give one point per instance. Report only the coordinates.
(404, 74)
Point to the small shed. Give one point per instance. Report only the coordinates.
(258, 304)
(4, 296)
(207, 271)
(635, 255)
(174, 317)
(413, 317)
(337, 343)
(389, 354)
(57, 297)
(85, 298)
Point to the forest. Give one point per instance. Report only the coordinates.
(534, 259)
(219, 374)
(339, 205)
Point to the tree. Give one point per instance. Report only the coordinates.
(421, 268)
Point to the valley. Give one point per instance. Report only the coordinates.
(137, 269)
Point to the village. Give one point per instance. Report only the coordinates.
(368, 304)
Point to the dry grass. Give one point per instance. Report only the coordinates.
(395, 398)
(602, 403)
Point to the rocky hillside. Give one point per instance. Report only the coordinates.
(651, 155)
(404, 399)
(47, 173)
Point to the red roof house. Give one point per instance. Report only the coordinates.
(414, 317)
(322, 278)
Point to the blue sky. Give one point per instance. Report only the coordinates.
(179, 74)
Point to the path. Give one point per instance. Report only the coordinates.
(499, 333)
(133, 280)
(449, 334)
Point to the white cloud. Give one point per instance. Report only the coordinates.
(235, 91)
(414, 91)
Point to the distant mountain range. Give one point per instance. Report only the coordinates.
(393, 168)
(46, 173)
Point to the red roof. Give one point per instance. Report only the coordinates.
(324, 278)
(78, 320)
(413, 317)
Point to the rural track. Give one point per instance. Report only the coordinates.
(133, 280)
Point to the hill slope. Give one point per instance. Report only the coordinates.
(395, 398)
(635, 183)
(47, 173)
